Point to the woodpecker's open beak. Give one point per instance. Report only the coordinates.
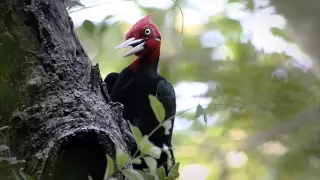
(136, 44)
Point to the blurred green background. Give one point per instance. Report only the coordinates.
(258, 94)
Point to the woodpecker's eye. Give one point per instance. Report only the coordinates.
(147, 31)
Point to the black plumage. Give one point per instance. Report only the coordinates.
(132, 88)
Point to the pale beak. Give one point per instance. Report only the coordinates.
(136, 44)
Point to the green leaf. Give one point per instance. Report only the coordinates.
(151, 177)
(205, 119)
(89, 26)
(10, 160)
(132, 174)
(174, 172)
(152, 164)
(199, 112)
(136, 161)
(71, 4)
(148, 175)
(146, 170)
(176, 166)
(147, 147)
(107, 17)
(122, 158)
(173, 175)
(136, 132)
(230, 28)
(161, 172)
(3, 127)
(3, 147)
(25, 176)
(110, 168)
(103, 27)
(167, 126)
(90, 178)
(155, 152)
(157, 108)
(281, 33)
(243, 52)
(250, 4)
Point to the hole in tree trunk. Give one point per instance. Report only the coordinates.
(82, 155)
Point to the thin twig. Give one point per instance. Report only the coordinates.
(88, 7)
(286, 126)
(182, 19)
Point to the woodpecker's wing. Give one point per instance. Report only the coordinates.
(110, 80)
(166, 95)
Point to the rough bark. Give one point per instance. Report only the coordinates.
(303, 24)
(62, 121)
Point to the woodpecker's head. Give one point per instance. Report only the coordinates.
(144, 38)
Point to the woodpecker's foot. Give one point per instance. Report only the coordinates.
(129, 138)
(116, 106)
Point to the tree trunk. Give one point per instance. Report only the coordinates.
(61, 118)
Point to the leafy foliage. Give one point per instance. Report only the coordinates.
(73, 3)
(25, 176)
(201, 112)
(280, 33)
(157, 108)
(110, 168)
(149, 153)
(122, 158)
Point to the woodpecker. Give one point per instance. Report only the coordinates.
(134, 83)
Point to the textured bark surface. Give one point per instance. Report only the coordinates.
(303, 24)
(51, 96)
